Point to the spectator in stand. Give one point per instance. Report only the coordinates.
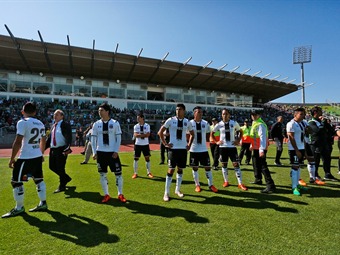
(277, 134)
(245, 142)
(214, 147)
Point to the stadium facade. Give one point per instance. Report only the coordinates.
(41, 71)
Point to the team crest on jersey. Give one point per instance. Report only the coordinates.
(203, 126)
(185, 124)
(231, 125)
(111, 126)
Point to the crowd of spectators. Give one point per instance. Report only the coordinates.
(81, 115)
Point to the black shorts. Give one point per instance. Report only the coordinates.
(142, 148)
(200, 158)
(294, 160)
(177, 157)
(105, 159)
(226, 153)
(309, 151)
(27, 168)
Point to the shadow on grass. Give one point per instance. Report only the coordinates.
(73, 228)
(163, 211)
(137, 207)
(248, 200)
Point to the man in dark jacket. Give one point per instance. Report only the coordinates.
(320, 133)
(59, 142)
(277, 134)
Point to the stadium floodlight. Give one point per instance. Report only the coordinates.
(17, 72)
(234, 69)
(220, 68)
(207, 64)
(301, 55)
(81, 77)
(266, 75)
(246, 71)
(41, 74)
(285, 78)
(256, 73)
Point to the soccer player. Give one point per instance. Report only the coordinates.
(178, 127)
(30, 140)
(198, 149)
(229, 138)
(259, 145)
(60, 141)
(296, 148)
(105, 140)
(141, 132)
(310, 158)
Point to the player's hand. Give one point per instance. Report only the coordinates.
(169, 145)
(94, 157)
(299, 154)
(219, 142)
(262, 155)
(11, 163)
(115, 155)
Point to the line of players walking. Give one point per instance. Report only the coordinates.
(178, 135)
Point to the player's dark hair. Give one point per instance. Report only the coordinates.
(29, 108)
(106, 107)
(181, 106)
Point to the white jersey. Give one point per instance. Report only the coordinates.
(204, 130)
(227, 136)
(32, 130)
(178, 134)
(142, 129)
(99, 136)
(305, 124)
(299, 134)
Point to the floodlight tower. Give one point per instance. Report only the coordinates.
(301, 55)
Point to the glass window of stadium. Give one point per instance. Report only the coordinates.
(211, 100)
(101, 92)
(62, 89)
(42, 88)
(117, 93)
(189, 98)
(3, 85)
(200, 99)
(20, 87)
(82, 91)
(174, 97)
(136, 94)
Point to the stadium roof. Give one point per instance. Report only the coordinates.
(67, 60)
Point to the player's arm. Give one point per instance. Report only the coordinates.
(15, 149)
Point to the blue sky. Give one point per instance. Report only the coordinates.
(260, 35)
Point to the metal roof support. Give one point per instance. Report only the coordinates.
(17, 44)
(92, 59)
(157, 68)
(256, 73)
(70, 55)
(113, 62)
(134, 64)
(198, 73)
(179, 70)
(45, 53)
(212, 74)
